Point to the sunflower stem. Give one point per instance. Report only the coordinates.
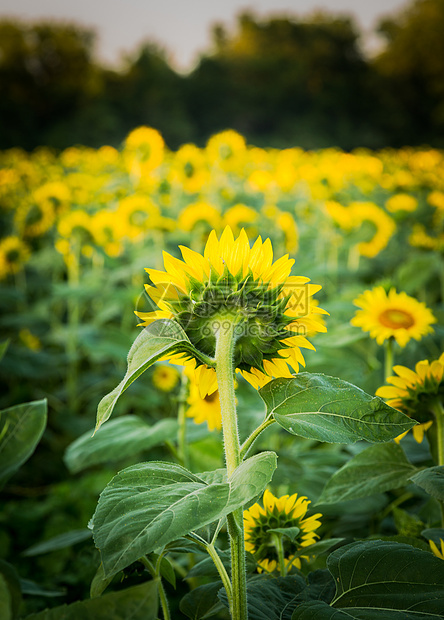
(277, 539)
(254, 435)
(438, 410)
(388, 365)
(225, 341)
(162, 595)
(182, 420)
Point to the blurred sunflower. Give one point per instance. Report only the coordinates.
(241, 216)
(226, 149)
(401, 202)
(392, 315)
(136, 214)
(438, 552)
(13, 255)
(262, 539)
(201, 215)
(416, 393)
(205, 409)
(189, 169)
(165, 377)
(233, 281)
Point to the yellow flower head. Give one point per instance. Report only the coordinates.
(392, 315)
(225, 149)
(283, 512)
(240, 216)
(205, 409)
(439, 553)
(202, 214)
(401, 202)
(13, 254)
(416, 392)
(165, 377)
(272, 308)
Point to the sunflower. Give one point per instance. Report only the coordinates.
(279, 513)
(225, 149)
(436, 551)
(165, 377)
(272, 308)
(401, 202)
(416, 393)
(189, 169)
(13, 254)
(205, 409)
(240, 216)
(200, 214)
(392, 315)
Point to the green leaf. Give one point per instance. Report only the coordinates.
(328, 409)
(318, 548)
(137, 603)
(288, 532)
(5, 600)
(34, 589)
(202, 601)
(376, 469)
(21, 428)
(387, 575)
(58, 542)
(10, 591)
(119, 439)
(3, 346)
(431, 480)
(149, 505)
(318, 610)
(161, 337)
(271, 598)
(99, 582)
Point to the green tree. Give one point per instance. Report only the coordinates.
(411, 74)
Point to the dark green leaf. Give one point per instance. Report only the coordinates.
(10, 591)
(120, 438)
(21, 428)
(376, 469)
(3, 346)
(33, 589)
(202, 601)
(149, 505)
(99, 582)
(431, 480)
(153, 342)
(435, 534)
(328, 409)
(137, 603)
(271, 598)
(318, 610)
(387, 575)
(59, 542)
(318, 548)
(289, 532)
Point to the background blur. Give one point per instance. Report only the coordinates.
(325, 78)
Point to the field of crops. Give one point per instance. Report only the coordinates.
(79, 230)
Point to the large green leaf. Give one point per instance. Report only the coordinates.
(10, 592)
(153, 342)
(202, 601)
(387, 575)
(328, 409)
(376, 469)
(431, 480)
(67, 539)
(318, 610)
(117, 440)
(21, 428)
(137, 603)
(149, 505)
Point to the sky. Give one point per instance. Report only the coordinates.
(181, 27)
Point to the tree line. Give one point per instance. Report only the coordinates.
(279, 81)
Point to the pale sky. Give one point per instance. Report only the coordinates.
(182, 27)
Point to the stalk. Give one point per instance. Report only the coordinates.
(73, 269)
(182, 420)
(438, 411)
(388, 362)
(162, 595)
(225, 341)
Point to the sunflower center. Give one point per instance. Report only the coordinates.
(396, 319)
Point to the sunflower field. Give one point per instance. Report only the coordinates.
(222, 375)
